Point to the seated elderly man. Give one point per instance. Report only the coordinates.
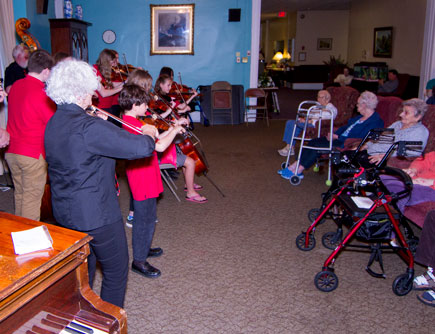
(391, 85)
(344, 79)
(357, 127)
(323, 97)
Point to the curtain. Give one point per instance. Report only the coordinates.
(7, 43)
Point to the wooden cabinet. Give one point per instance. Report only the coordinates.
(70, 36)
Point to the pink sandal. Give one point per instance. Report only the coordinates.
(196, 199)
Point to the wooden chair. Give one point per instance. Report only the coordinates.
(260, 106)
(221, 100)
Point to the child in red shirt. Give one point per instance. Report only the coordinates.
(145, 181)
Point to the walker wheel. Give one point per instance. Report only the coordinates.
(313, 214)
(326, 281)
(331, 240)
(283, 165)
(300, 242)
(402, 285)
(295, 180)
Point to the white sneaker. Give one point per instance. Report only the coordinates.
(283, 152)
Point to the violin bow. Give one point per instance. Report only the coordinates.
(125, 62)
(94, 109)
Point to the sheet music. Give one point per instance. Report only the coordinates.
(362, 202)
(32, 240)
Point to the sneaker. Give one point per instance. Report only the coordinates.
(287, 174)
(425, 281)
(283, 152)
(427, 297)
(129, 221)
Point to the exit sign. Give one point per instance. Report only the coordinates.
(282, 14)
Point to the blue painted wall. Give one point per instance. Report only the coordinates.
(216, 40)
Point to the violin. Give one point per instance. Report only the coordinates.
(120, 72)
(182, 91)
(157, 122)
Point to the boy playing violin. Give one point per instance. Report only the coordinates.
(144, 180)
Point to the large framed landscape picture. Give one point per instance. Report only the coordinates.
(383, 42)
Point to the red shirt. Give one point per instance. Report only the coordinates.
(143, 174)
(108, 101)
(29, 110)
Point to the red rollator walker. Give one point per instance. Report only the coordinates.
(365, 206)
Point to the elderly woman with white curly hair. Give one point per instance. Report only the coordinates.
(81, 152)
(357, 127)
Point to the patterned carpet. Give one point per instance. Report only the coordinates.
(231, 265)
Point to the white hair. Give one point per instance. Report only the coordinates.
(71, 80)
(18, 49)
(370, 100)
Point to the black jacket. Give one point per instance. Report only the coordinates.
(81, 152)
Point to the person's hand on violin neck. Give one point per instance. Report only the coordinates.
(150, 130)
(182, 121)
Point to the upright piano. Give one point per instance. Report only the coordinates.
(47, 292)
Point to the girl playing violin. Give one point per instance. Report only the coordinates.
(108, 90)
(172, 154)
(178, 91)
(163, 87)
(145, 181)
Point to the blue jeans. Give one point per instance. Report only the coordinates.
(144, 224)
(289, 130)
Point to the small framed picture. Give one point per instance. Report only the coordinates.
(324, 43)
(302, 56)
(172, 29)
(383, 42)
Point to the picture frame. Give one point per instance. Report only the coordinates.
(324, 44)
(383, 42)
(172, 29)
(302, 56)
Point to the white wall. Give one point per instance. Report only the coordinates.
(407, 17)
(311, 25)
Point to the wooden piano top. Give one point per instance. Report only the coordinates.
(18, 270)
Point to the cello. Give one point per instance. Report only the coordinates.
(21, 26)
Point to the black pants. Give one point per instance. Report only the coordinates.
(426, 246)
(109, 248)
(144, 224)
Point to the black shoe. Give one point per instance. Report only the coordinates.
(155, 252)
(145, 269)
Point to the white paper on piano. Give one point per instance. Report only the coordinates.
(362, 202)
(32, 240)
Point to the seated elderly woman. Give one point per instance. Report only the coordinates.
(408, 128)
(422, 172)
(81, 152)
(324, 100)
(356, 127)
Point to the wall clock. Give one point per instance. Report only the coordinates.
(109, 36)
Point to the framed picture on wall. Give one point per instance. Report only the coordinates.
(172, 29)
(324, 43)
(383, 42)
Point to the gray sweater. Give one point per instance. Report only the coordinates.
(417, 132)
